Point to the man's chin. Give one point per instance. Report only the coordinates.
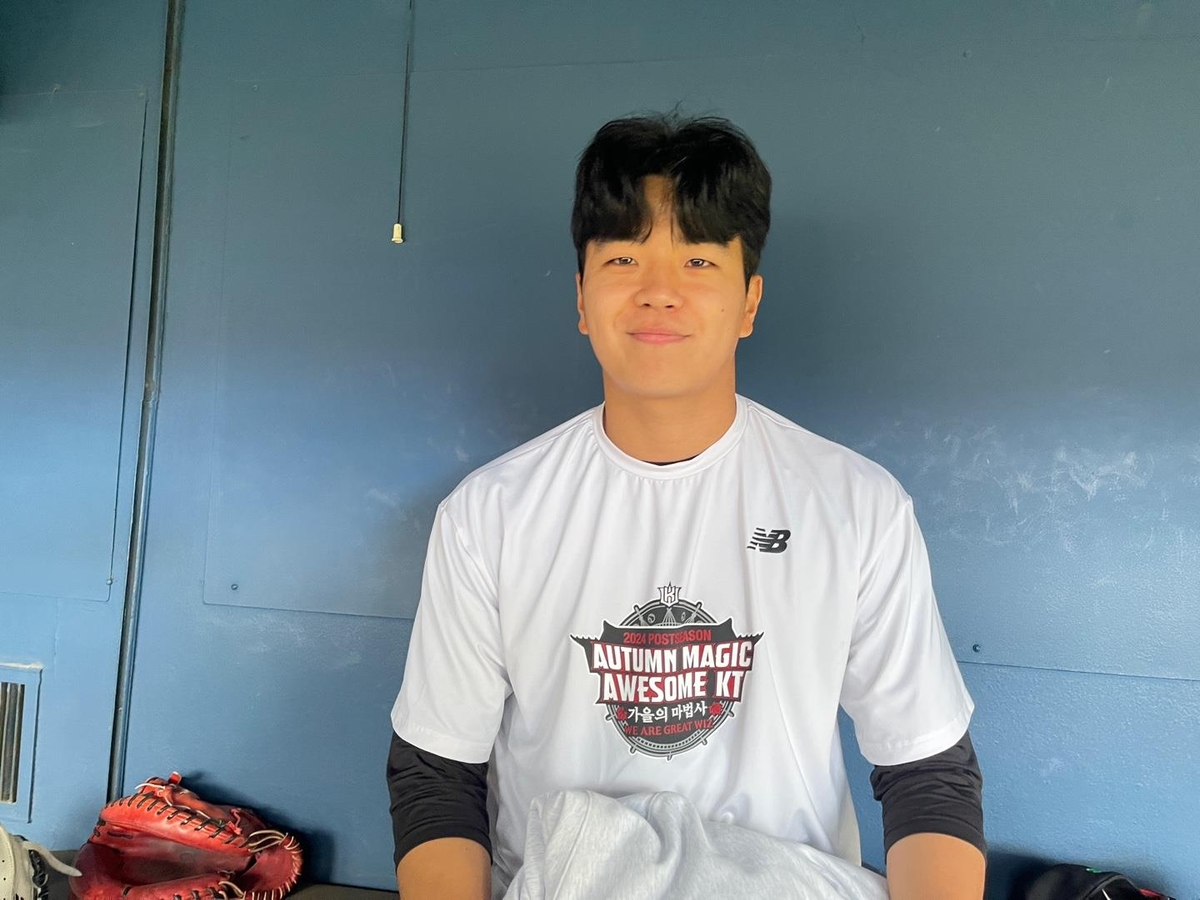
(655, 392)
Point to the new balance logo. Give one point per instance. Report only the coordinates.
(769, 541)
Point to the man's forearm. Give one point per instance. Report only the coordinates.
(445, 869)
(934, 867)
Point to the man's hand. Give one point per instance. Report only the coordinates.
(934, 867)
(445, 869)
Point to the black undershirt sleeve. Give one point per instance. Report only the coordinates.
(434, 797)
(942, 794)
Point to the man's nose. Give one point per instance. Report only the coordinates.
(659, 288)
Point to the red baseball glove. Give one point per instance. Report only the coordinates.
(165, 843)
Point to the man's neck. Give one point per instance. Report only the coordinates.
(661, 430)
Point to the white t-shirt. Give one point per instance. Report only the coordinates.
(588, 620)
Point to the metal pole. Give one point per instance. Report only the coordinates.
(141, 487)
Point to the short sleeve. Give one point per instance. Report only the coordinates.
(902, 685)
(455, 683)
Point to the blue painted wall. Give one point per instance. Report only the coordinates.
(982, 273)
(79, 88)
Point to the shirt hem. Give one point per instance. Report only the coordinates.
(896, 753)
(443, 745)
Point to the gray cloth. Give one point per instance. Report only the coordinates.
(584, 846)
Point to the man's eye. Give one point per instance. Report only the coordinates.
(622, 261)
(698, 263)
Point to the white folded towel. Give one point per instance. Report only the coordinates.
(582, 845)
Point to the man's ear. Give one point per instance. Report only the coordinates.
(579, 302)
(754, 291)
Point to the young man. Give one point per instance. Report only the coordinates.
(676, 590)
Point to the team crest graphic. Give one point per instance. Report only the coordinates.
(669, 673)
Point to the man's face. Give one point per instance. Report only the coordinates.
(665, 316)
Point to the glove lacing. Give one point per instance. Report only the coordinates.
(38, 857)
(211, 827)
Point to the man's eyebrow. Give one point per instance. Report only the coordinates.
(641, 239)
(724, 246)
(626, 240)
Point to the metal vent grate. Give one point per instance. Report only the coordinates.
(12, 706)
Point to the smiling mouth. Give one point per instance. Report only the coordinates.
(657, 337)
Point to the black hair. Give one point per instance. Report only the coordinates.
(719, 187)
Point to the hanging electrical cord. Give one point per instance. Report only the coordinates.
(398, 228)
